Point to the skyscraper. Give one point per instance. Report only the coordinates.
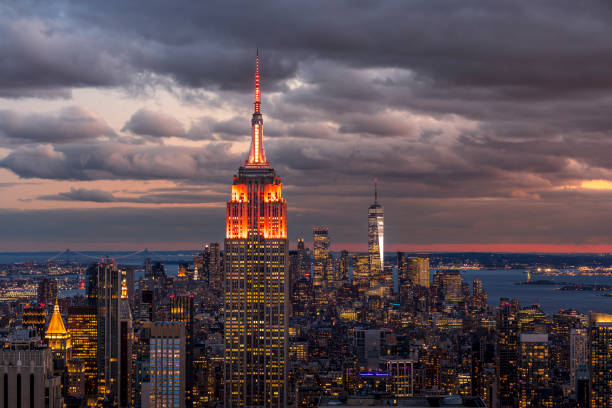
(320, 244)
(35, 316)
(417, 269)
(256, 290)
(82, 327)
(449, 283)
(182, 311)
(507, 352)
(167, 365)
(57, 337)
(47, 291)
(26, 367)
(211, 257)
(534, 372)
(105, 289)
(376, 224)
(600, 359)
(361, 270)
(126, 338)
(578, 353)
(341, 266)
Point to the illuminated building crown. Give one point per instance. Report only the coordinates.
(56, 334)
(56, 325)
(257, 155)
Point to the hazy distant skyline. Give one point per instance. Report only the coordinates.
(487, 124)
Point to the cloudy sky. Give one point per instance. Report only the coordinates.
(488, 124)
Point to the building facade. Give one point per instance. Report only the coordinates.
(256, 289)
(47, 291)
(181, 310)
(26, 369)
(83, 329)
(534, 371)
(320, 245)
(376, 234)
(578, 353)
(167, 365)
(107, 290)
(600, 359)
(507, 353)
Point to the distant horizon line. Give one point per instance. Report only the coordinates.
(337, 247)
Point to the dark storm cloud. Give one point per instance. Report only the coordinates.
(473, 115)
(146, 122)
(115, 160)
(82, 194)
(45, 57)
(560, 48)
(101, 196)
(71, 124)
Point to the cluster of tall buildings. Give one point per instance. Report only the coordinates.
(123, 345)
(255, 324)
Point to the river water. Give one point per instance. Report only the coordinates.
(502, 283)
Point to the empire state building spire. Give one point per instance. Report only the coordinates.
(256, 283)
(257, 155)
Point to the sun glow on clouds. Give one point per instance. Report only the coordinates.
(596, 184)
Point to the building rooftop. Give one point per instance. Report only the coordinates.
(416, 402)
(56, 325)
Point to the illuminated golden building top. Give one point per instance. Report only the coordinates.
(56, 333)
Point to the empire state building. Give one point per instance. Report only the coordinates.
(256, 292)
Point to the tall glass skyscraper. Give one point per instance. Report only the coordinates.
(167, 365)
(107, 291)
(376, 233)
(320, 243)
(83, 329)
(600, 359)
(256, 290)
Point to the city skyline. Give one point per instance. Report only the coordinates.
(477, 273)
(474, 150)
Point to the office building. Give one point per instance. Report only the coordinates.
(577, 353)
(83, 330)
(507, 353)
(28, 379)
(181, 310)
(600, 359)
(57, 337)
(401, 372)
(302, 264)
(413, 269)
(479, 296)
(35, 316)
(126, 339)
(369, 346)
(166, 388)
(534, 371)
(361, 270)
(341, 266)
(320, 239)
(47, 291)
(449, 285)
(419, 268)
(108, 291)
(212, 269)
(376, 234)
(256, 289)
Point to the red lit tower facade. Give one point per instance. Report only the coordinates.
(256, 292)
